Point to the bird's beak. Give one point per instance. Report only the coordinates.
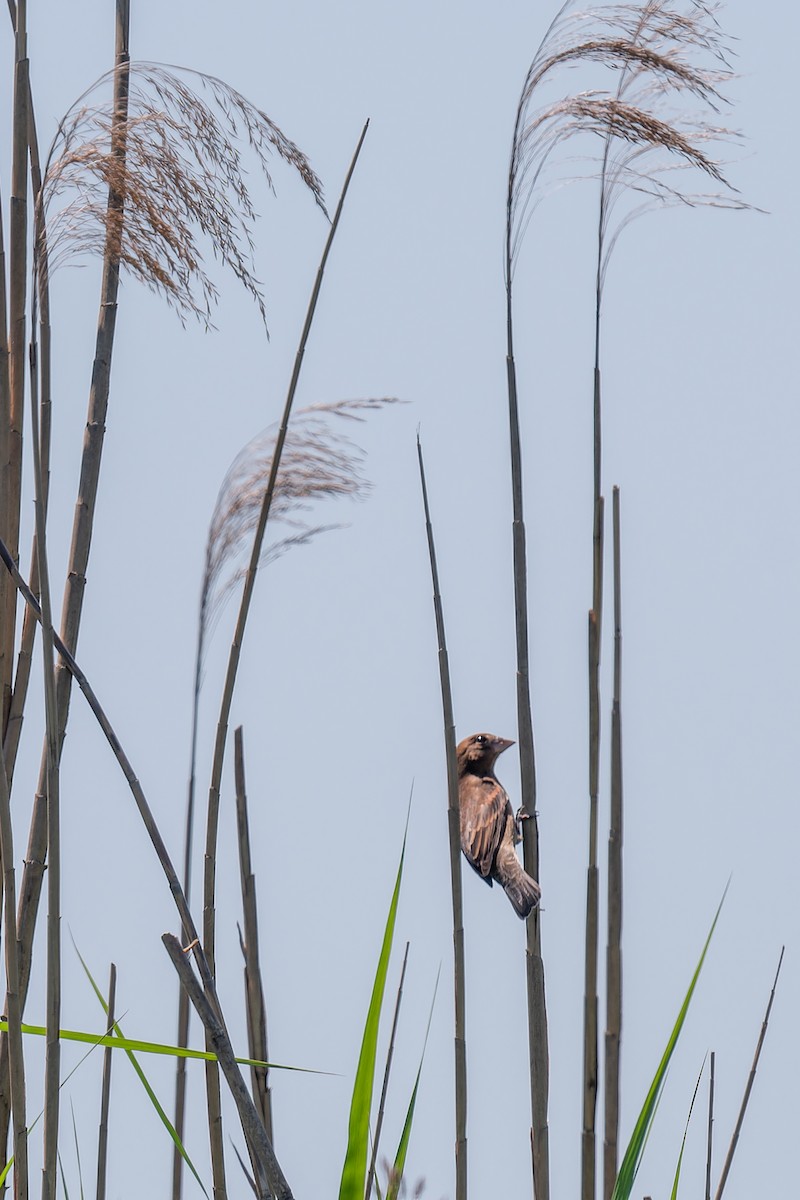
(501, 744)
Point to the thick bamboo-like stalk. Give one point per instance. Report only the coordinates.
(614, 934)
(13, 1005)
(710, 1133)
(105, 1098)
(254, 984)
(376, 1141)
(53, 982)
(751, 1078)
(42, 299)
(278, 1187)
(454, 832)
(538, 1042)
(212, 821)
(18, 275)
(590, 997)
(6, 591)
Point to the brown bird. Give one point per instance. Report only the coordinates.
(488, 827)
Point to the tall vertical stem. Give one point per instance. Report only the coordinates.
(454, 833)
(614, 939)
(538, 1053)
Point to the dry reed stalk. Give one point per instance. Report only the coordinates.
(11, 465)
(385, 1087)
(105, 1097)
(42, 298)
(18, 272)
(614, 936)
(40, 440)
(538, 1051)
(592, 935)
(538, 1047)
(212, 822)
(13, 1002)
(710, 1133)
(751, 1078)
(253, 982)
(53, 978)
(277, 1187)
(6, 649)
(454, 834)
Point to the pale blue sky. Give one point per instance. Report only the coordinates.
(338, 690)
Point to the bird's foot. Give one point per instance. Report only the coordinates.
(521, 815)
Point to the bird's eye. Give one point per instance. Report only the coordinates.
(480, 739)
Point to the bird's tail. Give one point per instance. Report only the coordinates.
(522, 891)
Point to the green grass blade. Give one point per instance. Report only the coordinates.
(633, 1155)
(354, 1171)
(118, 1042)
(405, 1136)
(676, 1181)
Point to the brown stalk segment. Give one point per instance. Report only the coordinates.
(454, 834)
(53, 1006)
(212, 822)
(105, 1098)
(614, 942)
(19, 694)
(219, 1043)
(749, 1086)
(11, 465)
(6, 641)
(710, 1135)
(40, 439)
(538, 1053)
(13, 1004)
(254, 985)
(18, 275)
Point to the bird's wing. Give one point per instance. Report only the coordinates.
(484, 809)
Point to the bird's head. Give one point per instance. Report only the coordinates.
(479, 751)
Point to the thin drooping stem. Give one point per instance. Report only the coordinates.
(723, 1179)
(105, 1098)
(710, 1135)
(614, 935)
(131, 778)
(454, 832)
(385, 1088)
(220, 1044)
(212, 821)
(254, 984)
